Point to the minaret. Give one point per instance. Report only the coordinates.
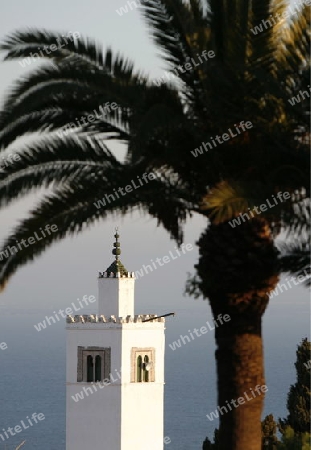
(115, 370)
(116, 287)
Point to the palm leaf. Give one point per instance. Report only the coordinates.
(49, 91)
(181, 31)
(226, 201)
(72, 207)
(25, 43)
(249, 77)
(296, 218)
(53, 161)
(168, 21)
(294, 51)
(295, 259)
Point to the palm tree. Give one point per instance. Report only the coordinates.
(224, 73)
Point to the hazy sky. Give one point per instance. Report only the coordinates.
(69, 269)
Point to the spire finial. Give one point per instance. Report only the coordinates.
(117, 266)
(116, 251)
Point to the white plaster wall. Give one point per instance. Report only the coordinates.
(92, 334)
(94, 422)
(143, 403)
(116, 296)
(126, 297)
(142, 416)
(127, 416)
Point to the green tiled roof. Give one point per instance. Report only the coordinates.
(117, 266)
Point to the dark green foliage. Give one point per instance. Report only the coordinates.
(298, 400)
(269, 430)
(289, 440)
(292, 441)
(208, 445)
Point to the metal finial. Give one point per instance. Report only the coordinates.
(116, 251)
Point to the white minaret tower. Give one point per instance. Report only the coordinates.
(115, 371)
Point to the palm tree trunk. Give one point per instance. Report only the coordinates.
(241, 384)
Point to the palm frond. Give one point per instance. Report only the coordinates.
(56, 89)
(64, 122)
(83, 52)
(62, 87)
(182, 32)
(225, 201)
(168, 21)
(295, 259)
(72, 208)
(230, 28)
(192, 287)
(251, 78)
(294, 50)
(55, 161)
(296, 219)
(263, 43)
(295, 248)
(32, 42)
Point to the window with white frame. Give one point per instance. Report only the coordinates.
(142, 365)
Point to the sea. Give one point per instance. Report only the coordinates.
(33, 373)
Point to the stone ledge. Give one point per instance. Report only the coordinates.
(116, 275)
(94, 318)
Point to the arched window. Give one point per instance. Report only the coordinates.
(139, 369)
(94, 364)
(146, 372)
(98, 368)
(142, 365)
(90, 369)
